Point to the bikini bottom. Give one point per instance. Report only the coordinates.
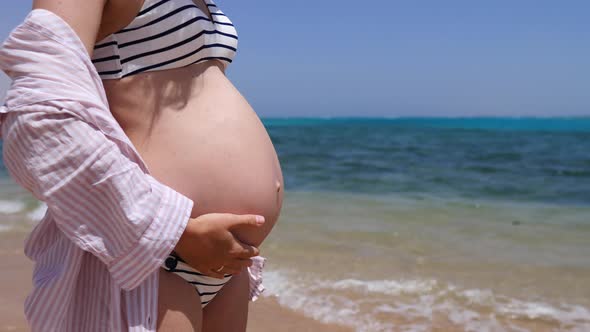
(208, 287)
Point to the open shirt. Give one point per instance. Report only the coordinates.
(109, 224)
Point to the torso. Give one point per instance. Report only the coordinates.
(198, 135)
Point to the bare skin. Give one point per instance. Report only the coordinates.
(198, 135)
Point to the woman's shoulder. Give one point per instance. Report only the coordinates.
(95, 19)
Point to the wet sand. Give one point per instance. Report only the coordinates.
(15, 283)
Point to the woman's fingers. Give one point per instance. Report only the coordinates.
(218, 272)
(208, 242)
(236, 266)
(243, 251)
(239, 264)
(215, 274)
(230, 270)
(234, 220)
(246, 262)
(208, 270)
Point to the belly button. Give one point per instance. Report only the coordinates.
(278, 185)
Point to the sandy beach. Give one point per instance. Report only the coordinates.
(15, 282)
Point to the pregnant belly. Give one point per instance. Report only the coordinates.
(213, 149)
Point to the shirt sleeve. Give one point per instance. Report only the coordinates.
(100, 199)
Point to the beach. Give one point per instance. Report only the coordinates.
(405, 225)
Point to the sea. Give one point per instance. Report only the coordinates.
(422, 224)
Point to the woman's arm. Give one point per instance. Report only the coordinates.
(83, 16)
(98, 198)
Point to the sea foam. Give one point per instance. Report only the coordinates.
(38, 213)
(416, 305)
(10, 207)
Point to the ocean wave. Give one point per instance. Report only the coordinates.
(18, 217)
(38, 213)
(10, 207)
(389, 287)
(5, 228)
(331, 309)
(417, 305)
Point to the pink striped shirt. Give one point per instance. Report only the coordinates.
(109, 224)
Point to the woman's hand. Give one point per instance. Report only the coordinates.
(208, 243)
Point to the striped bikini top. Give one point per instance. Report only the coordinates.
(166, 34)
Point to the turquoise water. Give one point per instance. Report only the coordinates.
(543, 160)
(423, 224)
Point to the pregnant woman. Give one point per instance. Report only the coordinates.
(162, 65)
(164, 75)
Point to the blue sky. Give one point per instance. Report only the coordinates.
(404, 58)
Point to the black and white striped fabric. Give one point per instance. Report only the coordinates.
(207, 287)
(166, 34)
